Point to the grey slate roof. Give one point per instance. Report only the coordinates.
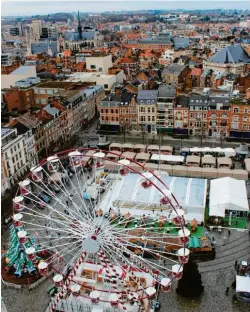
(74, 36)
(166, 91)
(147, 95)
(201, 100)
(174, 69)
(181, 42)
(51, 110)
(42, 47)
(231, 54)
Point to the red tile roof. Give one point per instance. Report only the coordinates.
(196, 72)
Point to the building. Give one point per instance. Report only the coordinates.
(110, 114)
(208, 114)
(5, 183)
(6, 59)
(83, 37)
(239, 118)
(21, 73)
(50, 47)
(165, 106)
(147, 110)
(49, 32)
(181, 116)
(36, 29)
(231, 59)
(14, 154)
(99, 63)
(130, 67)
(175, 74)
(160, 42)
(107, 81)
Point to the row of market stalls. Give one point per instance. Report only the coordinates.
(173, 165)
(213, 151)
(138, 148)
(208, 161)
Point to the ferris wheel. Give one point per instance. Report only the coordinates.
(72, 218)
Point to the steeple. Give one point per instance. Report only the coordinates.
(79, 26)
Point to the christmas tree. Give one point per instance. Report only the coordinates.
(16, 257)
(190, 285)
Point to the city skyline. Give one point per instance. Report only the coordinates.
(25, 8)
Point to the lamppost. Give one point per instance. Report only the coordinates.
(202, 130)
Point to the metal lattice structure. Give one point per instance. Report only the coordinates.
(100, 253)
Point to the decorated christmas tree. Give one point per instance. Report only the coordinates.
(16, 257)
(190, 285)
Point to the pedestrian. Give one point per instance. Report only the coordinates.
(213, 242)
(67, 203)
(229, 232)
(206, 233)
(227, 291)
(236, 265)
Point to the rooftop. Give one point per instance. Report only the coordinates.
(166, 91)
(175, 69)
(147, 95)
(231, 54)
(23, 70)
(5, 131)
(54, 84)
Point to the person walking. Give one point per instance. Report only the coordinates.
(229, 232)
(213, 242)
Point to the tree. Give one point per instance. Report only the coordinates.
(190, 285)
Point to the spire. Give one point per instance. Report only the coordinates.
(79, 26)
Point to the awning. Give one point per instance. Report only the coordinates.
(169, 158)
(193, 159)
(128, 155)
(243, 284)
(194, 242)
(208, 160)
(224, 161)
(142, 156)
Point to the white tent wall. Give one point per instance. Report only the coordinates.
(227, 194)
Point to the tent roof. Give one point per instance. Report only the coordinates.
(242, 284)
(162, 157)
(227, 194)
(208, 159)
(193, 159)
(144, 156)
(224, 161)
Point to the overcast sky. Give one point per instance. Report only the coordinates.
(14, 8)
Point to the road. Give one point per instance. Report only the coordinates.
(147, 139)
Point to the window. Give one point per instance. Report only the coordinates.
(106, 86)
(244, 127)
(245, 118)
(223, 123)
(191, 115)
(149, 119)
(107, 118)
(234, 125)
(43, 101)
(204, 115)
(235, 118)
(116, 119)
(149, 110)
(107, 111)
(190, 124)
(153, 118)
(213, 115)
(224, 115)
(92, 66)
(50, 92)
(37, 101)
(116, 111)
(236, 110)
(102, 110)
(112, 111)
(153, 109)
(42, 91)
(246, 110)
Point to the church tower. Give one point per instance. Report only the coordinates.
(79, 26)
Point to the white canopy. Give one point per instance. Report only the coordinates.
(243, 284)
(171, 158)
(227, 194)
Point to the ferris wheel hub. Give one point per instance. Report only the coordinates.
(91, 244)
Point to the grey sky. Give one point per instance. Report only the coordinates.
(46, 7)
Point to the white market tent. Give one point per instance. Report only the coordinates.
(229, 152)
(243, 284)
(227, 194)
(167, 158)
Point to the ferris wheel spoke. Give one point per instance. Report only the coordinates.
(77, 193)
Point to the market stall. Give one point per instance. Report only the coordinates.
(128, 155)
(139, 148)
(127, 147)
(153, 149)
(142, 157)
(194, 172)
(115, 147)
(114, 156)
(167, 150)
(224, 172)
(209, 173)
(167, 159)
(193, 161)
(180, 171)
(208, 161)
(240, 174)
(224, 162)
